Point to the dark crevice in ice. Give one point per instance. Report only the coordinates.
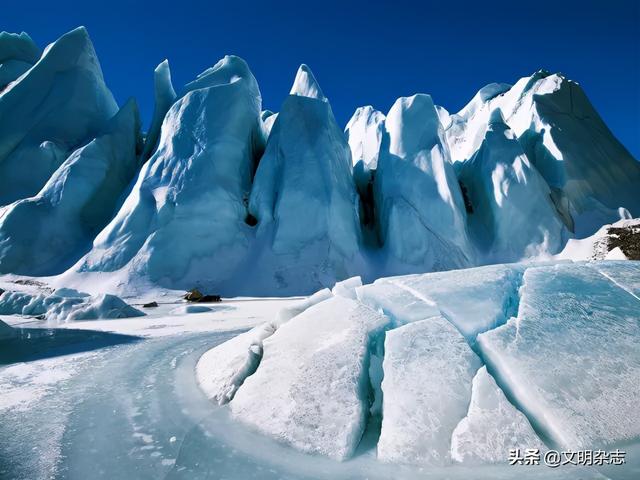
(372, 393)
(511, 310)
(364, 181)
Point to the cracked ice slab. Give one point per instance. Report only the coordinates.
(221, 370)
(625, 274)
(312, 386)
(474, 299)
(571, 359)
(398, 303)
(492, 426)
(428, 370)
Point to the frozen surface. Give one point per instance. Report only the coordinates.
(223, 369)
(57, 106)
(474, 300)
(312, 385)
(287, 313)
(47, 233)
(428, 368)
(6, 331)
(88, 393)
(625, 275)
(492, 426)
(398, 303)
(571, 358)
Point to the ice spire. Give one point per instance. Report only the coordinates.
(306, 85)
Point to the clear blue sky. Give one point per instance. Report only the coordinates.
(361, 52)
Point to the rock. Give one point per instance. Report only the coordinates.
(193, 295)
(627, 239)
(196, 295)
(150, 305)
(210, 299)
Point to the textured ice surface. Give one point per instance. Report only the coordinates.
(287, 313)
(311, 389)
(566, 140)
(306, 85)
(66, 305)
(347, 288)
(513, 215)
(428, 369)
(303, 196)
(571, 358)
(398, 303)
(364, 132)
(492, 426)
(474, 299)
(626, 275)
(14, 46)
(421, 213)
(196, 182)
(222, 369)
(57, 106)
(6, 331)
(47, 233)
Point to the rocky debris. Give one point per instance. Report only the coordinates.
(150, 305)
(626, 238)
(193, 295)
(197, 296)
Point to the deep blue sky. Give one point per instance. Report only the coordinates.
(361, 52)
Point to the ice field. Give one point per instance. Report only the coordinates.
(338, 386)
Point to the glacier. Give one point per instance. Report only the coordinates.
(303, 196)
(44, 234)
(414, 349)
(506, 191)
(165, 96)
(288, 203)
(56, 106)
(422, 220)
(193, 183)
(590, 174)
